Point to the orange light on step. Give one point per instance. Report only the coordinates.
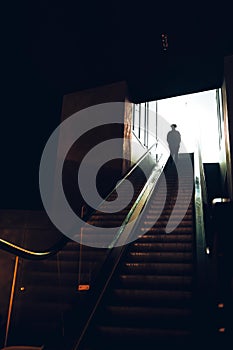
(221, 330)
(220, 305)
(84, 287)
(22, 289)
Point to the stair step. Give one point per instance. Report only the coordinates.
(176, 238)
(106, 216)
(107, 223)
(34, 312)
(65, 266)
(180, 207)
(175, 298)
(163, 223)
(49, 278)
(153, 281)
(160, 256)
(183, 201)
(162, 247)
(47, 328)
(167, 212)
(99, 238)
(75, 249)
(50, 293)
(159, 230)
(143, 334)
(141, 316)
(158, 268)
(165, 218)
(86, 256)
(115, 207)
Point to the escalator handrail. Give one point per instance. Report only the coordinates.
(205, 203)
(40, 255)
(202, 268)
(136, 165)
(30, 254)
(150, 181)
(200, 198)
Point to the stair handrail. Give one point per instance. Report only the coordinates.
(40, 255)
(30, 254)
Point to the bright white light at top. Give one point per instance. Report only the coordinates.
(196, 119)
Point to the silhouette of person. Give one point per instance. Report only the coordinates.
(173, 140)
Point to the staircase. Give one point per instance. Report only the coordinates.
(149, 302)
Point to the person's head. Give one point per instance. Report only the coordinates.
(173, 126)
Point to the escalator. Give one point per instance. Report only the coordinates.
(150, 299)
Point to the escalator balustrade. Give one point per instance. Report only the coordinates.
(150, 299)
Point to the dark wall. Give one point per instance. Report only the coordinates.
(213, 181)
(111, 171)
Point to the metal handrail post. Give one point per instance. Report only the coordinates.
(11, 300)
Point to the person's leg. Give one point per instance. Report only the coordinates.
(176, 154)
(170, 157)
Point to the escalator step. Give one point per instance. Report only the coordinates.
(155, 211)
(146, 335)
(152, 281)
(71, 257)
(49, 294)
(175, 298)
(51, 278)
(158, 268)
(158, 230)
(149, 301)
(167, 217)
(162, 247)
(180, 206)
(110, 217)
(176, 238)
(160, 256)
(65, 266)
(37, 312)
(131, 316)
(107, 223)
(163, 223)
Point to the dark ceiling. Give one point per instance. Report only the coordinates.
(51, 48)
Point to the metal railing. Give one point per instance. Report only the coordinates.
(203, 269)
(30, 254)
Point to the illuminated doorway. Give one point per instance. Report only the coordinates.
(196, 115)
